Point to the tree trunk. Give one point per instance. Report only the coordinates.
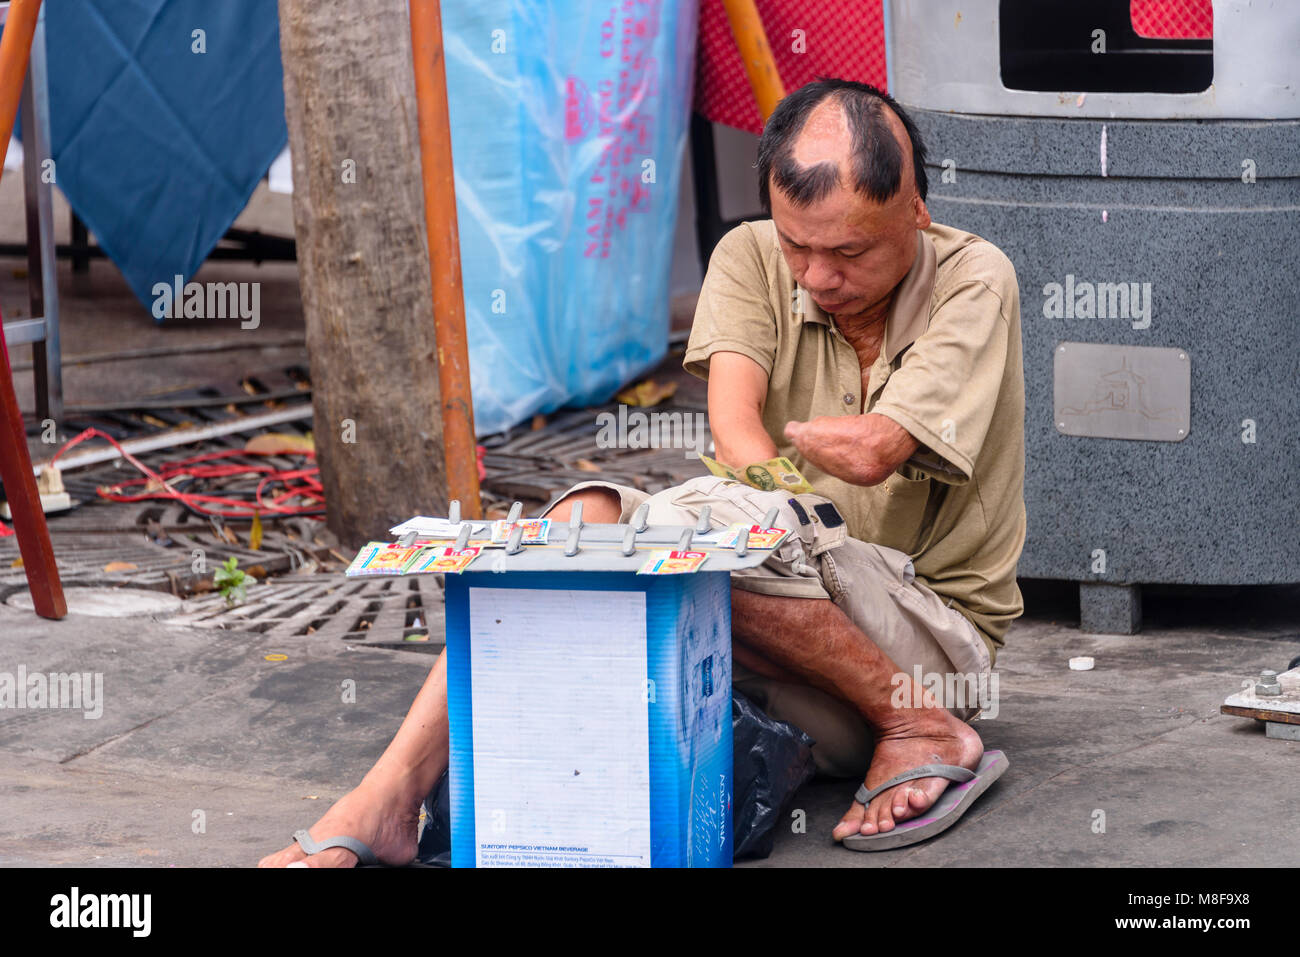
(363, 262)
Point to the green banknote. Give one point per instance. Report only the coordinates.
(768, 476)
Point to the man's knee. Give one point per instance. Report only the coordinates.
(599, 505)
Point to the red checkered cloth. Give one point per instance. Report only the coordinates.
(1172, 19)
(809, 38)
(846, 39)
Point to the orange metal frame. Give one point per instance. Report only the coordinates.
(459, 443)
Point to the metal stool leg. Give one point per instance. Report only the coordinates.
(21, 24)
(42, 267)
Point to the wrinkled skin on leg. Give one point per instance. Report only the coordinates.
(813, 641)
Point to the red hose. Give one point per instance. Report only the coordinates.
(308, 490)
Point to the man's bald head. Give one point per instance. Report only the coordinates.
(834, 133)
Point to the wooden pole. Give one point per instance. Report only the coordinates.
(15, 460)
(459, 442)
(751, 40)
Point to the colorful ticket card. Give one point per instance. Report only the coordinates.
(535, 531)
(444, 561)
(758, 537)
(672, 563)
(382, 558)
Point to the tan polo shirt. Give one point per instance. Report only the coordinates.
(949, 372)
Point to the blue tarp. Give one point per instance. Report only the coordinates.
(158, 146)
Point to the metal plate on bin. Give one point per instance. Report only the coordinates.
(1122, 392)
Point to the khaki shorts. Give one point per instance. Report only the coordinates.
(874, 585)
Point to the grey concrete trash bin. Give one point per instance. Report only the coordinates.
(1149, 197)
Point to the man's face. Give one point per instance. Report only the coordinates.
(847, 251)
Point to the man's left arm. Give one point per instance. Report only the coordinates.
(935, 409)
(860, 449)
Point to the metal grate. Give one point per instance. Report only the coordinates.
(87, 558)
(536, 466)
(172, 548)
(392, 612)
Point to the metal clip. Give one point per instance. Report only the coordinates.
(629, 540)
(684, 543)
(453, 511)
(742, 543)
(703, 526)
(515, 543)
(769, 519)
(516, 510)
(575, 530)
(462, 539)
(407, 540)
(641, 520)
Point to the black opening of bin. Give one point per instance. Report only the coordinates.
(1056, 45)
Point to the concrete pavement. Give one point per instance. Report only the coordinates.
(198, 726)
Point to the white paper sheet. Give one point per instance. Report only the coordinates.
(434, 527)
(561, 728)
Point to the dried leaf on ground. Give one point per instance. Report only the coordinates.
(647, 393)
(280, 443)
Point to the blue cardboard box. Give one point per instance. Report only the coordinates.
(590, 719)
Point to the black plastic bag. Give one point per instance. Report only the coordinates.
(773, 759)
(435, 837)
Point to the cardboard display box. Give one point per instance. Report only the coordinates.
(590, 719)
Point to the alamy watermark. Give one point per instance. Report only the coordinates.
(968, 690)
(653, 430)
(77, 691)
(211, 300)
(75, 909)
(1080, 299)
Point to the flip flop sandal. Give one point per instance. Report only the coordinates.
(365, 856)
(945, 811)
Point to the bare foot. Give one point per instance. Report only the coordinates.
(388, 831)
(942, 739)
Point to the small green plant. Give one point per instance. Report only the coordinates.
(231, 582)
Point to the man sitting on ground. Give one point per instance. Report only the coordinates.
(881, 353)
